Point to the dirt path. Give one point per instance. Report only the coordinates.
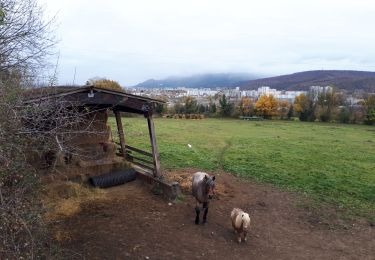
(135, 224)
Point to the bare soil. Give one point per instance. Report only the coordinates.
(133, 223)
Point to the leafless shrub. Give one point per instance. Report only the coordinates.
(20, 221)
(29, 133)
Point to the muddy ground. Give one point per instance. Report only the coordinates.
(133, 223)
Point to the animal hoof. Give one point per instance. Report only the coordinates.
(197, 222)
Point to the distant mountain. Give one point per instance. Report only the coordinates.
(198, 81)
(342, 79)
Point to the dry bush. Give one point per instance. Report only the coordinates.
(105, 84)
(22, 229)
(26, 41)
(27, 133)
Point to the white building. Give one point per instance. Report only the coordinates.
(200, 92)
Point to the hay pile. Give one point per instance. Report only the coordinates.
(64, 199)
(88, 141)
(184, 116)
(92, 129)
(185, 179)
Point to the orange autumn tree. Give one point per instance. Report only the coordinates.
(266, 106)
(303, 107)
(283, 109)
(245, 106)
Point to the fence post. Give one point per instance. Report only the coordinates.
(155, 153)
(120, 132)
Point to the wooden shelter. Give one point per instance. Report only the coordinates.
(106, 99)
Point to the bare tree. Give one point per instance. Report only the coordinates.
(26, 38)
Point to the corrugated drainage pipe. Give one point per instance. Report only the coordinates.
(113, 178)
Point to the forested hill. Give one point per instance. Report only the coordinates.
(198, 81)
(343, 79)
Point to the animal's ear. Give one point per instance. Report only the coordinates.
(242, 215)
(205, 177)
(213, 178)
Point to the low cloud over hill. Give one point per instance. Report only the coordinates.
(198, 81)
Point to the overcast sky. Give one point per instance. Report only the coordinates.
(131, 41)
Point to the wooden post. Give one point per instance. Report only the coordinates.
(120, 132)
(155, 153)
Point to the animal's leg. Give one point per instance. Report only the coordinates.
(205, 215)
(197, 213)
(205, 208)
(238, 237)
(244, 236)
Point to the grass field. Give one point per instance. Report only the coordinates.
(330, 163)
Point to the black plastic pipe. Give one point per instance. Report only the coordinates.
(113, 178)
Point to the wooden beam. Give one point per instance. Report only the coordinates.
(120, 132)
(140, 159)
(155, 153)
(143, 166)
(128, 147)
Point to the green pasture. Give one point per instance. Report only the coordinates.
(330, 163)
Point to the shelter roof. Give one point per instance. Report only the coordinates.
(94, 96)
